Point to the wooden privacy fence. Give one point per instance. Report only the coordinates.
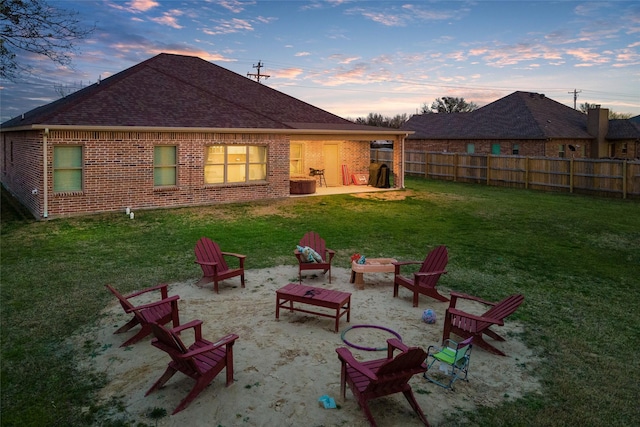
(602, 177)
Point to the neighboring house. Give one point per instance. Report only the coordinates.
(176, 131)
(525, 124)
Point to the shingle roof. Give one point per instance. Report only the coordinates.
(182, 91)
(520, 115)
(623, 129)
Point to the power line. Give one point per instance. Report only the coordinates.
(575, 97)
(257, 75)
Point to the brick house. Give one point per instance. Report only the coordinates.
(176, 131)
(525, 124)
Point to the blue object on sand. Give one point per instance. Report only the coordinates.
(327, 402)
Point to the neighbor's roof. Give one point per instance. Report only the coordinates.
(175, 91)
(521, 115)
(623, 129)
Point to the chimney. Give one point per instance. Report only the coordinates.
(597, 127)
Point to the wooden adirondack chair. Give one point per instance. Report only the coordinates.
(203, 360)
(315, 242)
(162, 311)
(424, 281)
(468, 325)
(214, 265)
(381, 377)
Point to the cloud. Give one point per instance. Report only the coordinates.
(383, 18)
(589, 8)
(266, 20)
(302, 54)
(627, 57)
(587, 57)
(235, 6)
(288, 73)
(341, 59)
(229, 27)
(142, 5)
(169, 19)
(422, 14)
(406, 14)
(514, 54)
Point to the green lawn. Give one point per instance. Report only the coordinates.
(576, 259)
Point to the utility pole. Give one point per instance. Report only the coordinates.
(575, 97)
(257, 75)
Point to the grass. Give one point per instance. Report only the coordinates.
(576, 260)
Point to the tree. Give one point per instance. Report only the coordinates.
(375, 119)
(32, 26)
(449, 104)
(612, 114)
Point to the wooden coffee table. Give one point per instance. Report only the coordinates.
(339, 302)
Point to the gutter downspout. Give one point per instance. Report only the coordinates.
(45, 169)
(402, 160)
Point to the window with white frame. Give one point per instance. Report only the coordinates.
(67, 168)
(515, 150)
(561, 150)
(165, 165)
(235, 163)
(471, 148)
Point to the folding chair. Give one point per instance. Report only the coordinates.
(453, 359)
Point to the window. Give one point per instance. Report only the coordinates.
(67, 168)
(471, 148)
(295, 159)
(235, 163)
(624, 148)
(164, 165)
(515, 150)
(561, 150)
(495, 149)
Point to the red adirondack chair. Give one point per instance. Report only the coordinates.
(424, 281)
(214, 265)
(468, 325)
(162, 311)
(317, 243)
(203, 360)
(381, 377)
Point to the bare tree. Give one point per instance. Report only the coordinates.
(33, 26)
(449, 104)
(612, 114)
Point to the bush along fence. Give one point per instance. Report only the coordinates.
(601, 177)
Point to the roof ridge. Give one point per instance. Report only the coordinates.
(200, 88)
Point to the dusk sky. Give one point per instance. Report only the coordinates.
(353, 58)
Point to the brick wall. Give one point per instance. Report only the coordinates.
(21, 162)
(118, 171)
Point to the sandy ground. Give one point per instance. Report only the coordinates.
(283, 367)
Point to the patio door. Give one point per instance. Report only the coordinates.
(332, 171)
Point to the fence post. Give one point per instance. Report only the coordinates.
(488, 169)
(571, 175)
(426, 164)
(455, 167)
(526, 173)
(624, 179)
